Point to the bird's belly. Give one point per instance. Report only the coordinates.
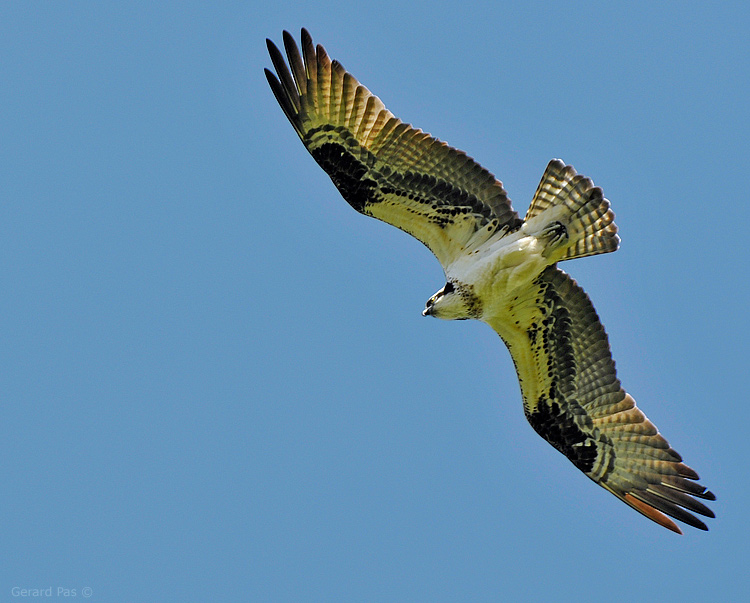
(497, 276)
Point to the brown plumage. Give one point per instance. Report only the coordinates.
(499, 269)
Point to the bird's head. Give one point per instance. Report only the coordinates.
(448, 304)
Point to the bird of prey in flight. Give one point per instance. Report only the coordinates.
(499, 269)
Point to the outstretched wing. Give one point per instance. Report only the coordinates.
(573, 399)
(383, 167)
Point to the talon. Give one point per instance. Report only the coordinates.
(555, 231)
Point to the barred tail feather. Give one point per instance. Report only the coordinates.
(586, 214)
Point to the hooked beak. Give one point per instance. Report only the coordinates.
(427, 311)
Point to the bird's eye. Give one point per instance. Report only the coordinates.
(448, 288)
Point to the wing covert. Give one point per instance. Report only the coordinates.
(383, 167)
(573, 399)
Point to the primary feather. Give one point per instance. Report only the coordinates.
(499, 269)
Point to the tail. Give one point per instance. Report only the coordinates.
(571, 203)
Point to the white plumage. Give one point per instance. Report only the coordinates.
(499, 269)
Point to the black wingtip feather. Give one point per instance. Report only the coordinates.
(308, 52)
(296, 65)
(281, 98)
(290, 89)
(670, 509)
(681, 499)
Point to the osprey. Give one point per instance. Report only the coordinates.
(499, 269)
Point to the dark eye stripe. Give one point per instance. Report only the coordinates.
(448, 288)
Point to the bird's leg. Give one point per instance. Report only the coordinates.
(554, 232)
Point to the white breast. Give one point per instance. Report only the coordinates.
(498, 269)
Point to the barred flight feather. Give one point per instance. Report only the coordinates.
(499, 269)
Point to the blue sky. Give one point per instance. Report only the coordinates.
(217, 384)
